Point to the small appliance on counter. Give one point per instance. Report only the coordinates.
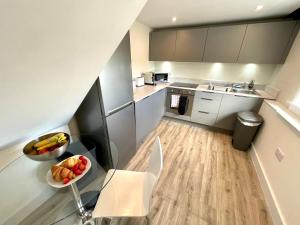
(154, 78)
(140, 81)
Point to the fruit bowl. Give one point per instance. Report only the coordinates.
(31, 153)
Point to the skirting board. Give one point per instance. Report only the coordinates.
(267, 190)
(181, 117)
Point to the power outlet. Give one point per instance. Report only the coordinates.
(279, 154)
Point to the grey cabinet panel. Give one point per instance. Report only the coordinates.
(291, 41)
(159, 99)
(224, 43)
(148, 113)
(143, 118)
(266, 42)
(162, 45)
(190, 44)
(231, 105)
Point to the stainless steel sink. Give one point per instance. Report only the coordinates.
(243, 91)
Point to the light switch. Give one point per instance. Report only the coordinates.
(279, 154)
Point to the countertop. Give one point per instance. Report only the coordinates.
(140, 93)
(147, 90)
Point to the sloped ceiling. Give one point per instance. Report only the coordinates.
(51, 53)
(159, 13)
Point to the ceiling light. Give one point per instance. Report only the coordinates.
(258, 8)
(174, 19)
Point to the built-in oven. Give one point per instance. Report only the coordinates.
(180, 101)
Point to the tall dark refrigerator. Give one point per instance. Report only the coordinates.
(106, 115)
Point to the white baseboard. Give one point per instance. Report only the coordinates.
(272, 204)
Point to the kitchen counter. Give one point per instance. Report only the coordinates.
(140, 93)
(147, 90)
(260, 93)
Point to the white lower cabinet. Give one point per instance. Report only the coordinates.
(204, 117)
(206, 107)
(231, 105)
(220, 110)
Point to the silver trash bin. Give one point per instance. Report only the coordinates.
(246, 126)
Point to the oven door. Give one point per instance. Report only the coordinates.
(172, 103)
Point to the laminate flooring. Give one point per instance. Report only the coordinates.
(205, 181)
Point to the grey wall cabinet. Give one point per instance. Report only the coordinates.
(223, 43)
(162, 45)
(190, 44)
(231, 105)
(148, 113)
(266, 42)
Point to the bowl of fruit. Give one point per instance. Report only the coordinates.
(47, 147)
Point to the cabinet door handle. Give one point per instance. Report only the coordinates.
(203, 112)
(209, 99)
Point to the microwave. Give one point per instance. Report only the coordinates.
(153, 78)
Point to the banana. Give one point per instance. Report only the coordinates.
(47, 146)
(54, 139)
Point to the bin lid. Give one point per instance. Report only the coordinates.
(250, 117)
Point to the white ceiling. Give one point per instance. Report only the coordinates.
(159, 13)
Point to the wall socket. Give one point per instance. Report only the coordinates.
(279, 154)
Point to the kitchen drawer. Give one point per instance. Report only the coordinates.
(207, 105)
(204, 117)
(208, 95)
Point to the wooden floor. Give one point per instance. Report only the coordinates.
(204, 181)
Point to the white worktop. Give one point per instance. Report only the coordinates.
(147, 90)
(140, 93)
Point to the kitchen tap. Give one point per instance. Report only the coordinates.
(251, 84)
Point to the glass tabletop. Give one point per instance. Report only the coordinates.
(35, 202)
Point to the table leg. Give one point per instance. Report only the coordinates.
(85, 215)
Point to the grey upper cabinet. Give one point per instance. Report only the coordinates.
(262, 43)
(266, 42)
(162, 45)
(190, 44)
(223, 43)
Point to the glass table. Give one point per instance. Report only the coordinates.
(26, 197)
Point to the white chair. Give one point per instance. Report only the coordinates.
(128, 193)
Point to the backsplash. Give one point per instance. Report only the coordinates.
(228, 72)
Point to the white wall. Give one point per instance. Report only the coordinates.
(280, 180)
(287, 79)
(139, 43)
(51, 53)
(231, 72)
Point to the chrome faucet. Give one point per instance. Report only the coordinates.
(251, 84)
